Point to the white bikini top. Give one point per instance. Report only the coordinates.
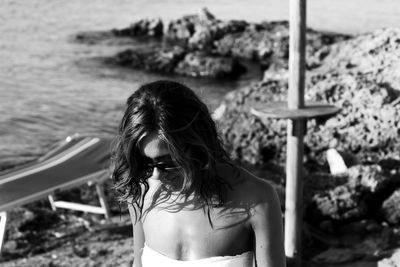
(152, 258)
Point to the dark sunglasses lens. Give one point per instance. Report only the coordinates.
(165, 166)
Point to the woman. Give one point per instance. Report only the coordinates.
(189, 204)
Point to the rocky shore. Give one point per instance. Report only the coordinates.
(351, 216)
(354, 212)
(204, 46)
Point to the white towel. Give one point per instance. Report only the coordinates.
(152, 258)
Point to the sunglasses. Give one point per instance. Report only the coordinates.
(164, 166)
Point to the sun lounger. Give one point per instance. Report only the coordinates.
(76, 161)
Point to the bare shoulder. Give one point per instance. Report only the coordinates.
(265, 220)
(259, 190)
(261, 197)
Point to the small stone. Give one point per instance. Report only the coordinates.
(10, 245)
(342, 202)
(370, 177)
(93, 253)
(81, 250)
(335, 161)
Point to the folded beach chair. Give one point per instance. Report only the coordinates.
(76, 161)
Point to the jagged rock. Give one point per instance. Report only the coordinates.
(365, 127)
(204, 36)
(361, 193)
(202, 28)
(201, 65)
(165, 60)
(391, 208)
(375, 54)
(366, 124)
(319, 182)
(181, 29)
(268, 43)
(199, 32)
(143, 27)
(265, 42)
(246, 137)
(358, 76)
(193, 32)
(371, 177)
(129, 58)
(162, 60)
(392, 261)
(250, 44)
(340, 203)
(176, 60)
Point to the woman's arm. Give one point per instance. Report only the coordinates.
(138, 238)
(266, 222)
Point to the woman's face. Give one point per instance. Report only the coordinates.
(157, 158)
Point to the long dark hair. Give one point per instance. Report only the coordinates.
(179, 118)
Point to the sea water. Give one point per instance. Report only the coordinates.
(51, 87)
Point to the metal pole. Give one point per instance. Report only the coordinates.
(295, 132)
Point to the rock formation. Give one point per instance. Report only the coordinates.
(213, 47)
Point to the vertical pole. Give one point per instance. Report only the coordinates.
(297, 45)
(294, 186)
(295, 132)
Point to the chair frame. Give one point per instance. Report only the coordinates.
(96, 178)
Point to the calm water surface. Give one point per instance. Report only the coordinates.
(51, 87)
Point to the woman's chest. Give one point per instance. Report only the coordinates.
(203, 231)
